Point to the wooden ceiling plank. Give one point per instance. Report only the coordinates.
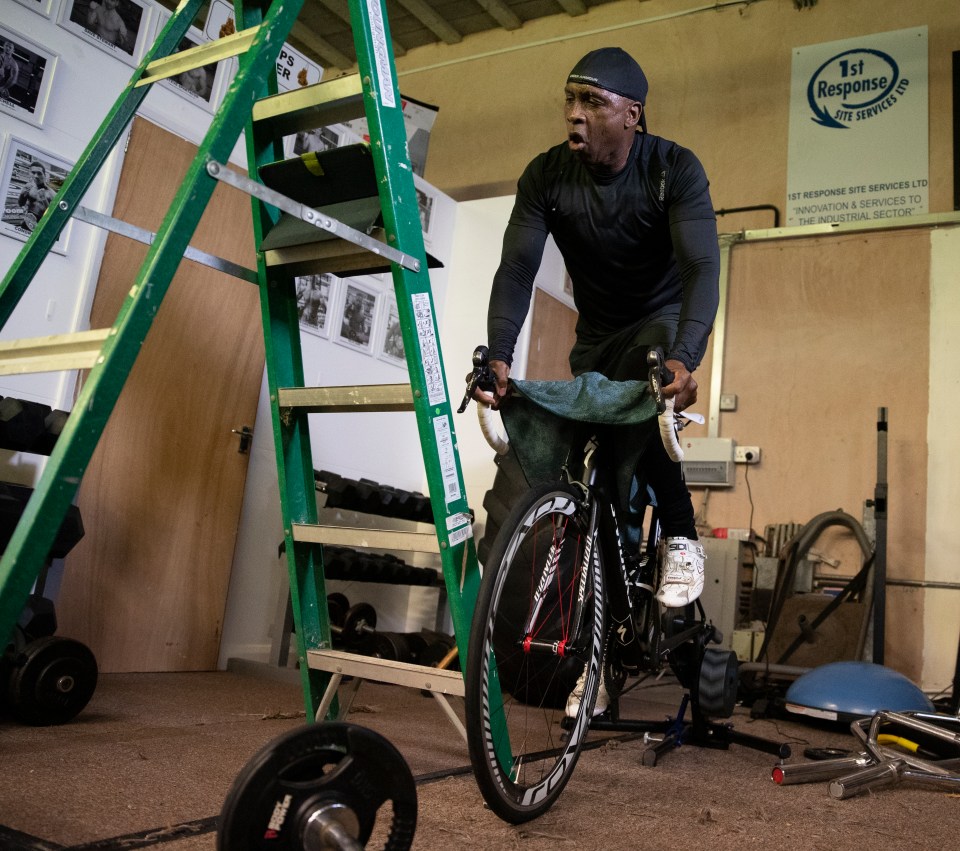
(321, 47)
(501, 13)
(573, 7)
(431, 20)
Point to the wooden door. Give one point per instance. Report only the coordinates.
(552, 335)
(146, 586)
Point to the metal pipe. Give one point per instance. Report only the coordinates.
(873, 777)
(774, 209)
(809, 772)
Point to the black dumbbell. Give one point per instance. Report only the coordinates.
(21, 423)
(359, 621)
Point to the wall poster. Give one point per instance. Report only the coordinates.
(858, 148)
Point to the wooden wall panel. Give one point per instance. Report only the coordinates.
(552, 335)
(146, 586)
(821, 333)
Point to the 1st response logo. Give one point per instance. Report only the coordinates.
(854, 86)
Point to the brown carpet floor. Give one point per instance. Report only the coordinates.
(149, 761)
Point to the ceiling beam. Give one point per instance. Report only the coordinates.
(501, 13)
(573, 7)
(321, 46)
(431, 20)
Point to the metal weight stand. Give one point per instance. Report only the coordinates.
(880, 549)
(930, 756)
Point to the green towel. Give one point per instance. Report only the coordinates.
(541, 419)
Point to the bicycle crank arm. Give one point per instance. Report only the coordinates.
(669, 644)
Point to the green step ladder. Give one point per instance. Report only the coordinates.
(253, 104)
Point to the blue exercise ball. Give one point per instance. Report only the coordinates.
(842, 691)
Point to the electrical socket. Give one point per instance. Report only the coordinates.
(746, 455)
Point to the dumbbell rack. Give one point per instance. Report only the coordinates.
(253, 105)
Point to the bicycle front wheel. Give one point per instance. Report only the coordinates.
(537, 628)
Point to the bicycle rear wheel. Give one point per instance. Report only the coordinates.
(537, 626)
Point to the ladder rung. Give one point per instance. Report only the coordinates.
(319, 105)
(199, 56)
(374, 398)
(334, 256)
(79, 350)
(374, 539)
(387, 671)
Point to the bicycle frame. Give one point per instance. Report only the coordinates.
(595, 479)
(565, 606)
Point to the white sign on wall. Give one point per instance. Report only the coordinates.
(858, 146)
(294, 70)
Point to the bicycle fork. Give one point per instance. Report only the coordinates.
(548, 584)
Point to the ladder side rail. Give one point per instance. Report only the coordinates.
(402, 223)
(31, 540)
(48, 229)
(291, 431)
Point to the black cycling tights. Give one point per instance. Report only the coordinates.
(664, 476)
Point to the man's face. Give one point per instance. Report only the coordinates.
(39, 177)
(8, 48)
(596, 122)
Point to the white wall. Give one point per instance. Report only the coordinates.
(941, 612)
(86, 83)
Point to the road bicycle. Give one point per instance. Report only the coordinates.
(562, 598)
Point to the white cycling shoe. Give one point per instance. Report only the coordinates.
(603, 696)
(682, 581)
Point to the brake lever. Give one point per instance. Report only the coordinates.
(480, 377)
(655, 377)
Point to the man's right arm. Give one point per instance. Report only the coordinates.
(510, 300)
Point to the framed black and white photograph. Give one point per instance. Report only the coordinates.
(26, 77)
(41, 7)
(357, 318)
(315, 300)
(29, 181)
(390, 337)
(119, 27)
(425, 202)
(198, 85)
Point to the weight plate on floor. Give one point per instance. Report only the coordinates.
(332, 775)
(52, 680)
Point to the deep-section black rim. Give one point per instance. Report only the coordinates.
(548, 526)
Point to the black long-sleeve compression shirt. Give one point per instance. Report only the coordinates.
(636, 244)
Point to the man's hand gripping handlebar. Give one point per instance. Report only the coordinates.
(482, 378)
(670, 426)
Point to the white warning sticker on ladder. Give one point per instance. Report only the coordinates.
(448, 462)
(381, 53)
(429, 351)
